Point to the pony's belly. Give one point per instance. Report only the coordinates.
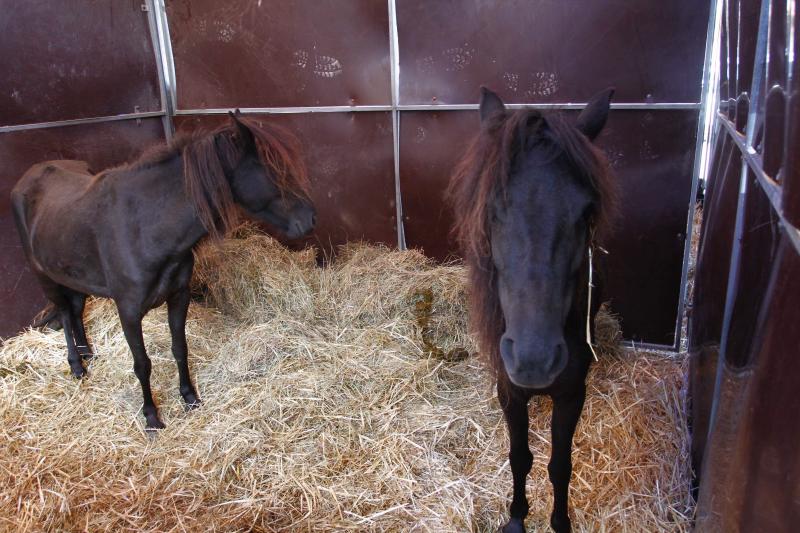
(66, 253)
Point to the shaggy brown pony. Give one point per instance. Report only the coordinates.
(529, 197)
(128, 233)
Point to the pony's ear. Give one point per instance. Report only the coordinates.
(242, 131)
(594, 115)
(490, 104)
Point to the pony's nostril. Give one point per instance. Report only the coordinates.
(313, 220)
(507, 351)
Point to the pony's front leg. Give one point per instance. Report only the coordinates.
(515, 411)
(132, 327)
(177, 308)
(566, 411)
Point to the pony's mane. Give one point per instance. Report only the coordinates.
(207, 155)
(483, 173)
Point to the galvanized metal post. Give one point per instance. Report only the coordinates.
(708, 103)
(394, 61)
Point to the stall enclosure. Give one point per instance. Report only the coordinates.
(384, 97)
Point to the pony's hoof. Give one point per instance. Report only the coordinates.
(154, 424)
(192, 401)
(515, 525)
(561, 525)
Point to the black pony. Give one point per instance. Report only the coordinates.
(528, 198)
(128, 233)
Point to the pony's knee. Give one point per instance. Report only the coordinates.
(521, 458)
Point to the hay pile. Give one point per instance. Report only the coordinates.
(337, 399)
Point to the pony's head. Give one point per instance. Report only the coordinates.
(528, 198)
(270, 181)
(254, 166)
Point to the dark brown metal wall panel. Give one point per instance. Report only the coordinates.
(713, 257)
(750, 469)
(102, 145)
(710, 285)
(274, 53)
(747, 38)
(349, 158)
(84, 58)
(652, 155)
(771, 458)
(551, 50)
(760, 239)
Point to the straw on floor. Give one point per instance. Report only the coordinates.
(345, 398)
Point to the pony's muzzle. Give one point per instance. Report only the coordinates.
(302, 224)
(533, 365)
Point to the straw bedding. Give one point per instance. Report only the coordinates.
(345, 398)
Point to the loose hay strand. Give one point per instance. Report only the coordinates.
(345, 398)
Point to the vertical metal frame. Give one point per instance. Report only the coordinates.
(156, 37)
(736, 248)
(159, 31)
(394, 61)
(703, 146)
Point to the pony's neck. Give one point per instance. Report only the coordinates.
(163, 183)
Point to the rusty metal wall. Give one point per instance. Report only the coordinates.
(57, 61)
(65, 93)
(551, 51)
(743, 337)
(280, 54)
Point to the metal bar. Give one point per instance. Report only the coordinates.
(394, 56)
(167, 60)
(286, 110)
(738, 232)
(567, 105)
(425, 107)
(772, 189)
(649, 346)
(79, 121)
(155, 38)
(709, 89)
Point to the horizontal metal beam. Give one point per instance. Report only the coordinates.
(285, 110)
(426, 107)
(327, 109)
(79, 121)
(664, 349)
(770, 187)
(572, 105)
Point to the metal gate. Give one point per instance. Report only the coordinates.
(743, 334)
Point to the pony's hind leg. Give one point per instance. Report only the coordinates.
(132, 327)
(77, 302)
(73, 357)
(177, 307)
(60, 298)
(566, 411)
